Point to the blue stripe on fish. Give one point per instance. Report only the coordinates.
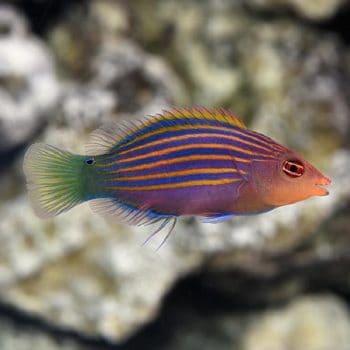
(174, 179)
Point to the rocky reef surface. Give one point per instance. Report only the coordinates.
(276, 281)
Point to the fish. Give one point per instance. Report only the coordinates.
(195, 161)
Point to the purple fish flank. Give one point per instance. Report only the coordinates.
(186, 162)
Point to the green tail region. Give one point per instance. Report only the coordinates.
(53, 179)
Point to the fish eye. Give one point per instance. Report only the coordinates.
(90, 161)
(293, 168)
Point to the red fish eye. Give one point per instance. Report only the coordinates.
(293, 168)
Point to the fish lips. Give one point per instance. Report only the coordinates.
(320, 189)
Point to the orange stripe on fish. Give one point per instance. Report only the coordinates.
(262, 140)
(173, 185)
(193, 136)
(174, 161)
(184, 147)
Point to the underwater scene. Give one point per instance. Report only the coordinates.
(175, 175)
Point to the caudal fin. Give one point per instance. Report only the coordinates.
(53, 179)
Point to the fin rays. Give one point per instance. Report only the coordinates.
(133, 216)
(53, 179)
(108, 207)
(160, 228)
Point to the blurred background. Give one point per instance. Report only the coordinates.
(279, 281)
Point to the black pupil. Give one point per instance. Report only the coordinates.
(293, 168)
(89, 161)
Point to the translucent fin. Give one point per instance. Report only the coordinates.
(172, 219)
(161, 226)
(111, 207)
(53, 179)
(103, 139)
(216, 219)
(168, 233)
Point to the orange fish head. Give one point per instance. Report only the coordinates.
(287, 179)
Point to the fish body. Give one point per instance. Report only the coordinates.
(183, 162)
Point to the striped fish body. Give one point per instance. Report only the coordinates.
(187, 162)
(182, 162)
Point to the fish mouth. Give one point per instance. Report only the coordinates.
(320, 186)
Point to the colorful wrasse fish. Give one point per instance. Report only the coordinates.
(195, 161)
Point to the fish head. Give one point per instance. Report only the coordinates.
(287, 179)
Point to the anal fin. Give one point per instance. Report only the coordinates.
(132, 216)
(108, 207)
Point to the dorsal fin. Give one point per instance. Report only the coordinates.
(216, 114)
(103, 139)
(109, 135)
